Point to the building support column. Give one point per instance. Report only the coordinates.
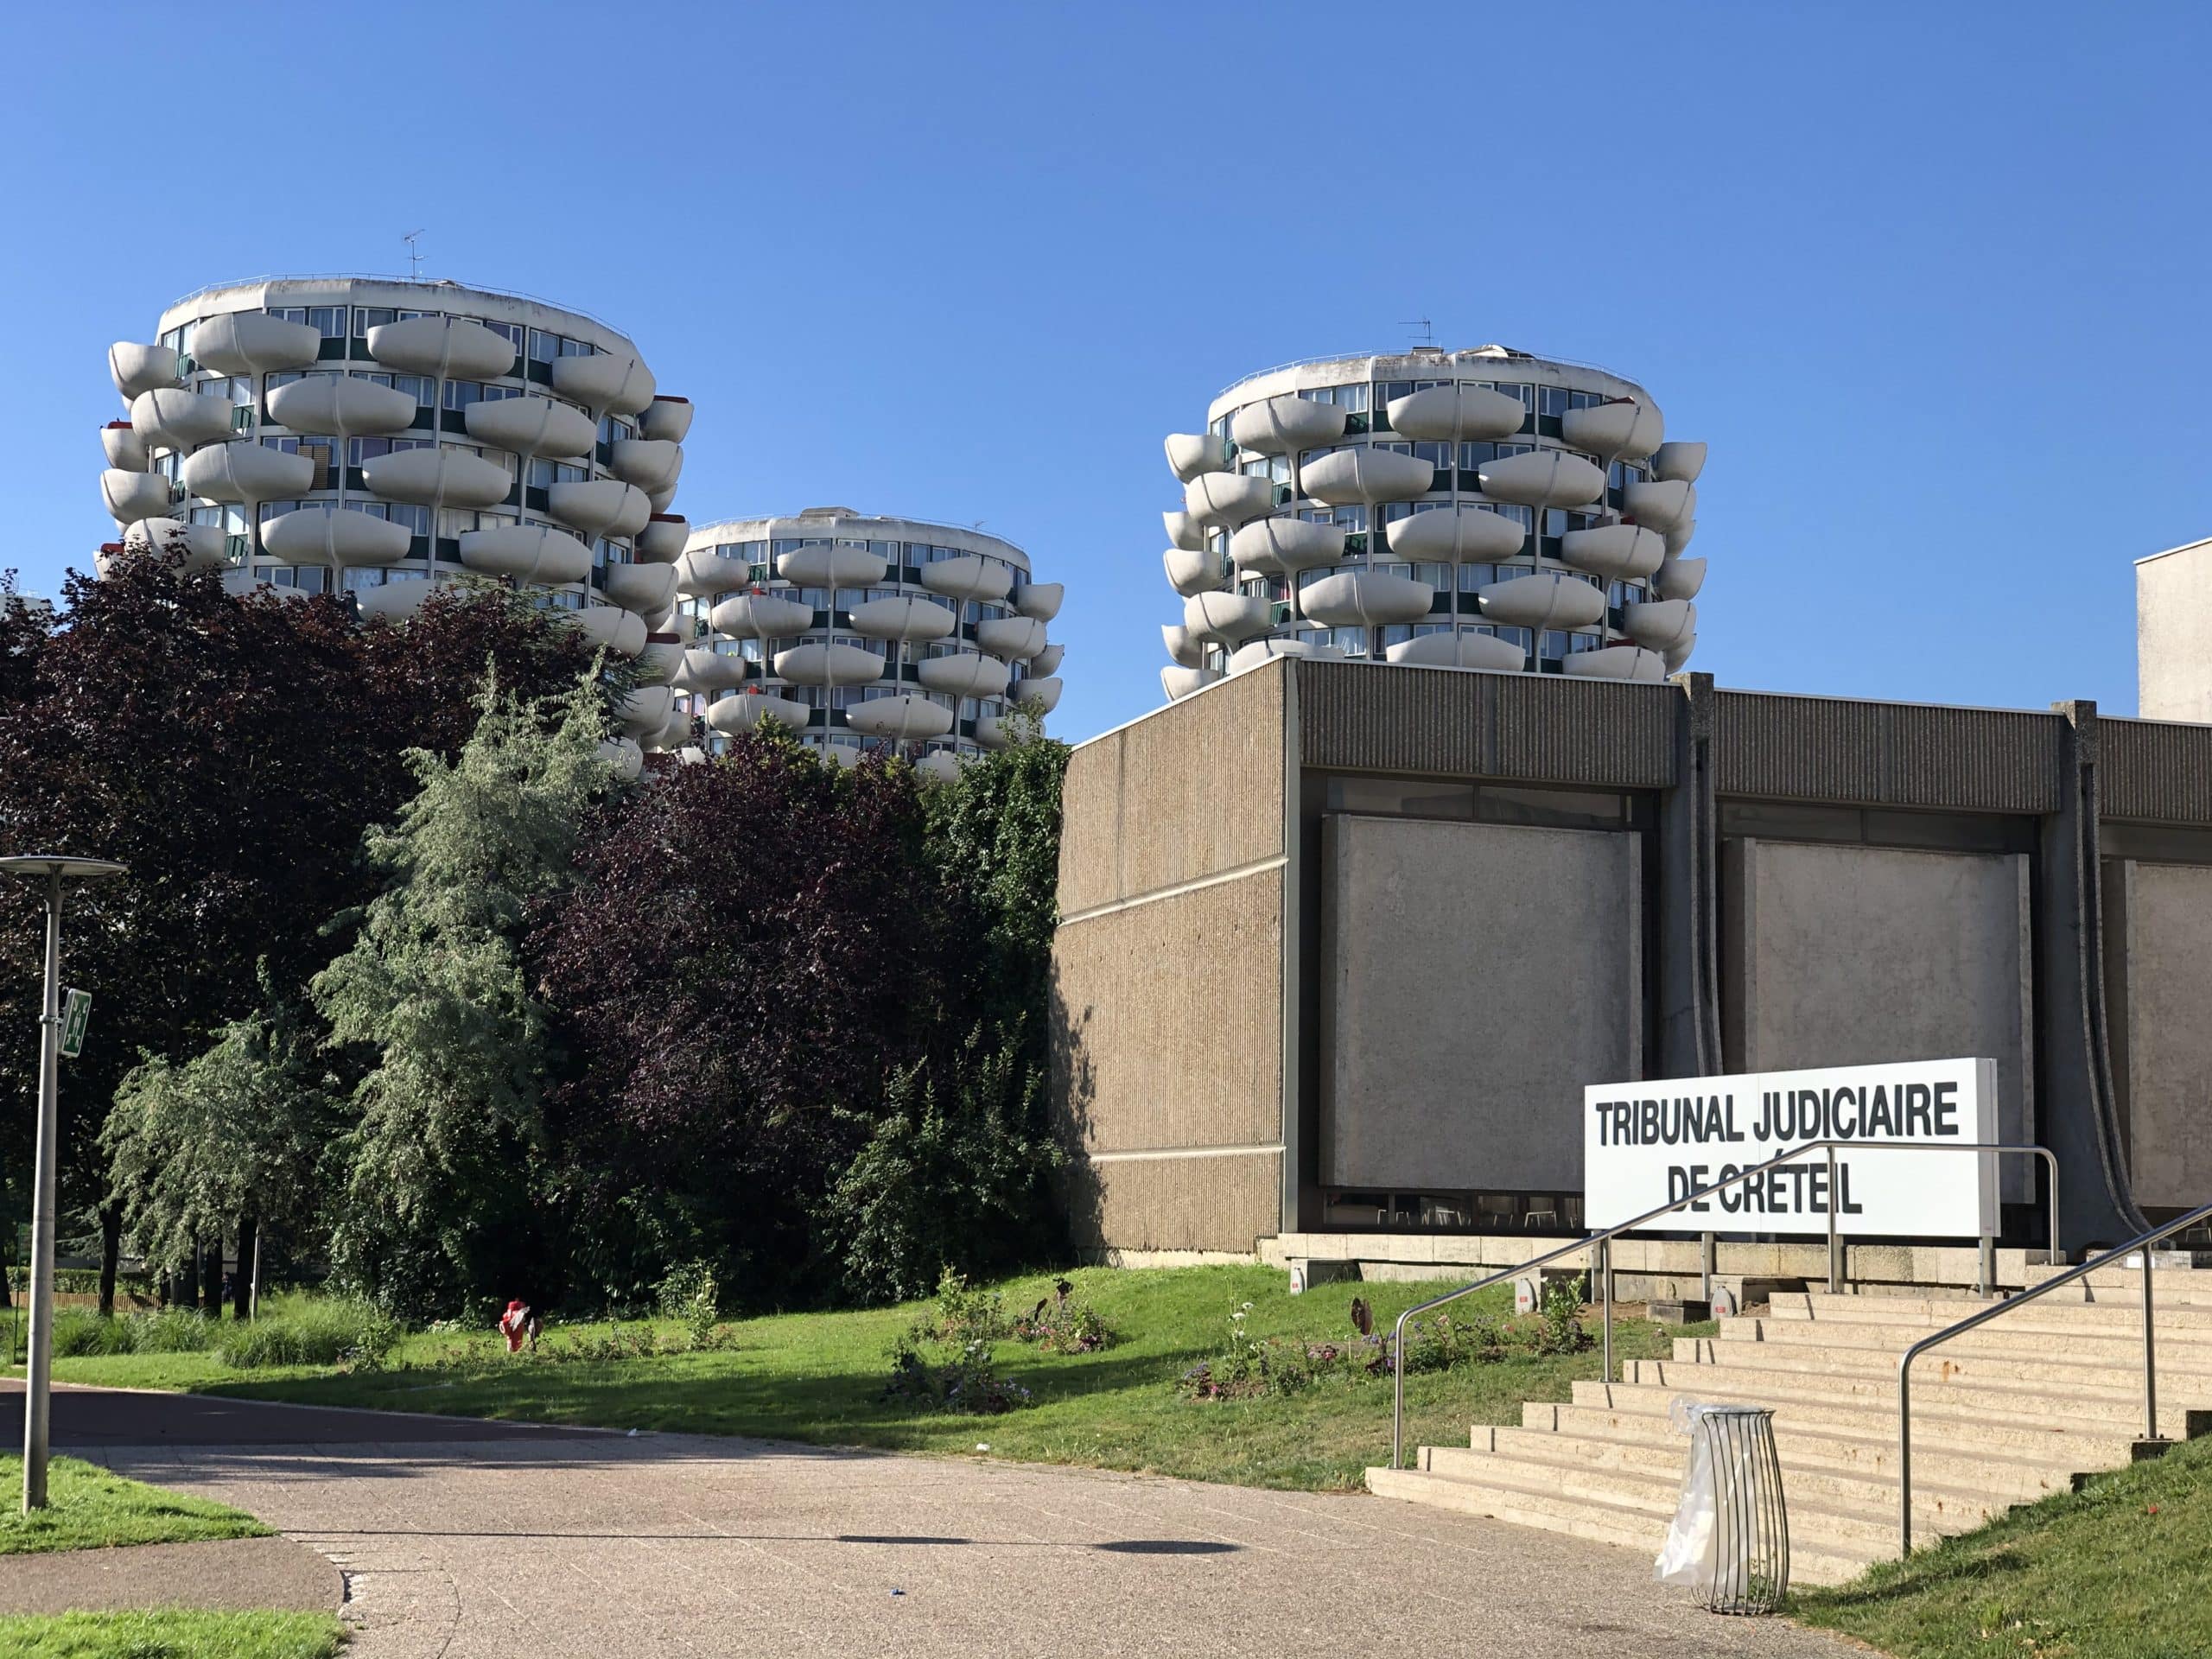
(1689, 859)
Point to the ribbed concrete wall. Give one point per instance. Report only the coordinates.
(1886, 754)
(2155, 771)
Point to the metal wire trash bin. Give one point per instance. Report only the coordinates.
(1750, 1560)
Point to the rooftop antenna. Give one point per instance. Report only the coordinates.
(1427, 329)
(414, 256)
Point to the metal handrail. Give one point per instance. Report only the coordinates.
(1603, 1243)
(2141, 1242)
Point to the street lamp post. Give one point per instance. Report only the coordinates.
(51, 869)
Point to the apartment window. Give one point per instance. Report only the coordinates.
(366, 317)
(1551, 404)
(1528, 397)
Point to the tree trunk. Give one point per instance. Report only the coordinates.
(211, 1278)
(111, 1253)
(242, 1281)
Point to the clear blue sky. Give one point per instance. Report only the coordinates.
(1930, 280)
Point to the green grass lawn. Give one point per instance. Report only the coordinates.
(88, 1508)
(2122, 1570)
(819, 1377)
(171, 1636)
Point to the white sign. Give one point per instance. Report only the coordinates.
(1646, 1143)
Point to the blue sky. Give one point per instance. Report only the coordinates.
(1930, 280)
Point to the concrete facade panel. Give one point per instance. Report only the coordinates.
(2151, 770)
(1202, 784)
(1476, 977)
(2168, 931)
(2173, 635)
(1212, 1203)
(1090, 827)
(1886, 754)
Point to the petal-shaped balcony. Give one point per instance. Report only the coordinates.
(1189, 454)
(1678, 462)
(662, 499)
(253, 342)
(1278, 547)
(707, 669)
(1547, 599)
(992, 733)
(606, 380)
(1447, 534)
(531, 426)
(1456, 414)
(173, 418)
(1226, 618)
(816, 663)
(1365, 476)
(1618, 662)
(964, 674)
(1254, 653)
(1284, 425)
(1177, 682)
(1040, 599)
(1184, 530)
(622, 632)
(447, 347)
(905, 718)
(395, 601)
(527, 553)
(660, 661)
(1660, 625)
(830, 566)
(136, 368)
(1617, 552)
(661, 542)
(1038, 692)
(623, 755)
(652, 464)
(674, 737)
(1011, 639)
(194, 547)
(1184, 647)
(904, 617)
(335, 536)
(1483, 650)
(644, 711)
(762, 616)
(703, 573)
(1611, 430)
(246, 472)
(746, 709)
(1664, 505)
(1679, 538)
(1365, 598)
(969, 577)
(1223, 500)
(1047, 661)
(661, 621)
(1542, 478)
(130, 496)
(600, 506)
(342, 409)
(1679, 653)
(939, 765)
(647, 589)
(124, 449)
(1191, 572)
(666, 417)
(441, 477)
(1678, 579)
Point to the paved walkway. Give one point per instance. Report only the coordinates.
(540, 1546)
(225, 1574)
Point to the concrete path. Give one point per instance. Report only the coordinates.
(223, 1574)
(539, 1546)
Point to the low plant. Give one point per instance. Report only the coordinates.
(964, 1313)
(964, 1379)
(1560, 1315)
(692, 1294)
(312, 1330)
(1061, 1325)
(81, 1333)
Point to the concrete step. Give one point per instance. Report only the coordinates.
(2190, 1286)
(2064, 1365)
(2187, 1351)
(2051, 1313)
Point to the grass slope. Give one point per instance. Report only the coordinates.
(88, 1508)
(171, 1636)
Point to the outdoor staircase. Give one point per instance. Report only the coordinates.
(2024, 1405)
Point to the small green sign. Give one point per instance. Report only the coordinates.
(75, 1016)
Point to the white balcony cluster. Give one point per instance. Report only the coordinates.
(1482, 510)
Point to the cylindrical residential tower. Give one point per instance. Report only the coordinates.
(1481, 509)
(374, 436)
(861, 631)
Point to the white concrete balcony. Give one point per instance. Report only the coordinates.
(395, 601)
(1482, 651)
(831, 664)
(1184, 530)
(335, 536)
(662, 540)
(1542, 478)
(1678, 579)
(1547, 599)
(1184, 647)
(1456, 414)
(1285, 425)
(1255, 653)
(662, 619)
(831, 566)
(1011, 639)
(527, 553)
(622, 632)
(703, 573)
(760, 616)
(707, 669)
(906, 718)
(971, 577)
(1041, 694)
(1189, 454)
(1225, 619)
(964, 674)
(648, 589)
(939, 765)
(1041, 599)
(253, 342)
(1047, 661)
(173, 418)
(1631, 663)
(437, 478)
(446, 347)
(904, 617)
(1660, 625)
(1366, 599)
(124, 449)
(600, 506)
(662, 499)
(1225, 501)
(1617, 552)
(660, 662)
(1448, 535)
(992, 733)
(615, 381)
(1365, 476)
(734, 715)
(666, 418)
(1679, 653)
(1178, 682)
(130, 496)
(644, 711)
(531, 426)
(1612, 430)
(652, 464)
(1678, 462)
(623, 754)
(194, 547)
(1190, 572)
(1663, 506)
(136, 368)
(1281, 547)
(342, 409)
(246, 472)
(1679, 536)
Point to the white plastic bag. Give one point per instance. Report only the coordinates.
(1687, 1556)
